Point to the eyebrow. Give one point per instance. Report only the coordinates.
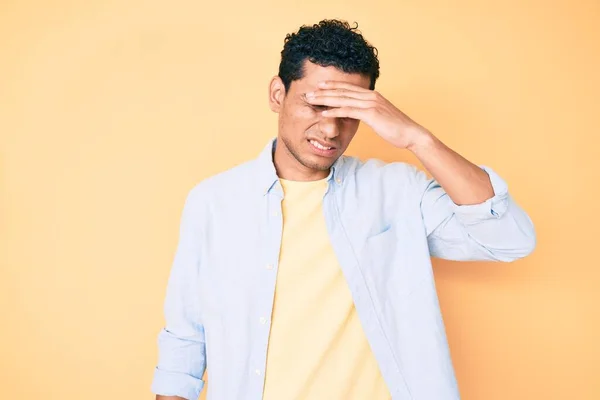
(317, 106)
(302, 97)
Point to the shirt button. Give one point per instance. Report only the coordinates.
(262, 320)
(338, 180)
(270, 266)
(257, 372)
(275, 213)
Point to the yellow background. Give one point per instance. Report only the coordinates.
(110, 111)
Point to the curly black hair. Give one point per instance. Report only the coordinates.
(331, 42)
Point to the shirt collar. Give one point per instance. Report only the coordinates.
(267, 173)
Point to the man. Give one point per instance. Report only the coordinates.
(306, 274)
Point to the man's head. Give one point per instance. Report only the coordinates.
(329, 50)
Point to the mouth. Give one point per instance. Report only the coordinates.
(321, 149)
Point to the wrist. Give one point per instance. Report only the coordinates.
(422, 140)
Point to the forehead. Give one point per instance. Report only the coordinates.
(313, 74)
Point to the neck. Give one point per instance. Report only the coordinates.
(289, 168)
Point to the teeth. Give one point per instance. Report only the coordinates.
(319, 146)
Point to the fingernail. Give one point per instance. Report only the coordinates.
(323, 84)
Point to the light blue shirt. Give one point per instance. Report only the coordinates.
(385, 221)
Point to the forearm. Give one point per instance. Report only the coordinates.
(463, 181)
(159, 397)
(467, 210)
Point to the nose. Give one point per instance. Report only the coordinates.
(329, 127)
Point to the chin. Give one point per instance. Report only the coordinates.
(315, 164)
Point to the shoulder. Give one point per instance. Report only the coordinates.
(235, 181)
(377, 171)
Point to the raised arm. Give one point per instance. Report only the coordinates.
(467, 210)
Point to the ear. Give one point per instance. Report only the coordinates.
(276, 94)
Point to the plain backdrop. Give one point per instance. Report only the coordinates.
(111, 111)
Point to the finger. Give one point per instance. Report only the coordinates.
(369, 95)
(341, 85)
(332, 101)
(347, 112)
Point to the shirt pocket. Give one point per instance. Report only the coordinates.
(389, 266)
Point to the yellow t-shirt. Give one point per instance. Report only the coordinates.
(317, 347)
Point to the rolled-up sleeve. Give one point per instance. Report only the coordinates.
(181, 343)
(497, 229)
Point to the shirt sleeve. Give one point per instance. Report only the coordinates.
(181, 343)
(495, 230)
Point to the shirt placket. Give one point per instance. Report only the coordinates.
(271, 234)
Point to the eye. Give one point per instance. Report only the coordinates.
(319, 108)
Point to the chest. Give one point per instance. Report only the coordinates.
(244, 246)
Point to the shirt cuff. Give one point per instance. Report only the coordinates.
(176, 384)
(492, 208)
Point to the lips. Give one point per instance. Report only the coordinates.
(321, 149)
(321, 145)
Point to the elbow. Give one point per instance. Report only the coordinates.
(529, 240)
(527, 247)
(522, 248)
(529, 244)
(523, 241)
